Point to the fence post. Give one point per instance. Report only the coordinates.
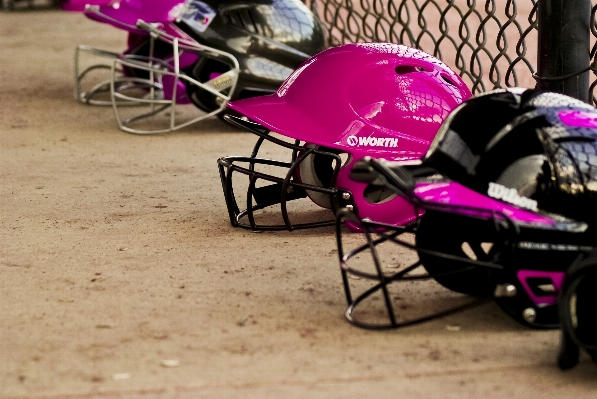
(564, 46)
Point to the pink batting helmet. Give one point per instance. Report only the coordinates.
(380, 100)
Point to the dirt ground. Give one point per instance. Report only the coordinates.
(121, 277)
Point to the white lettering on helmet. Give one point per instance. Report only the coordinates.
(510, 195)
(352, 140)
(388, 142)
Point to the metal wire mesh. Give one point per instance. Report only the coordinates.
(490, 43)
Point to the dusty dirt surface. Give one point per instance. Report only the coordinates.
(121, 277)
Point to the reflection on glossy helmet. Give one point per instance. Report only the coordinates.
(507, 189)
(243, 49)
(377, 99)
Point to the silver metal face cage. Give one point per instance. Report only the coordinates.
(98, 94)
(149, 92)
(220, 87)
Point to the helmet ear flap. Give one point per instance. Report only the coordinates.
(451, 273)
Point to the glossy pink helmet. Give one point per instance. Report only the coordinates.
(378, 99)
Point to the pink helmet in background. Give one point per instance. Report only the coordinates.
(79, 5)
(93, 66)
(380, 100)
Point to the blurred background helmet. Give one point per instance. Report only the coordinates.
(160, 90)
(93, 66)
(268, 38)
(242, 50)
(377, 99)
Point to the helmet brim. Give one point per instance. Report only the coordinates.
(272, 112)
(126, 17)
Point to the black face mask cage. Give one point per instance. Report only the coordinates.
(281, 191)
(504, 226)
(403, 183)
(577, 306)
(520, 247)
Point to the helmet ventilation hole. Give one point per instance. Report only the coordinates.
(404, 69)
(448, 81)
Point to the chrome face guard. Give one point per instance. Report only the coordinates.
(164, 86)
(98, 94)
(90, 96)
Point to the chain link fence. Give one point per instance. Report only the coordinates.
(27, 4)
(592, 89)
(490, 43)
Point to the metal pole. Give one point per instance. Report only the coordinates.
(564, 46)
